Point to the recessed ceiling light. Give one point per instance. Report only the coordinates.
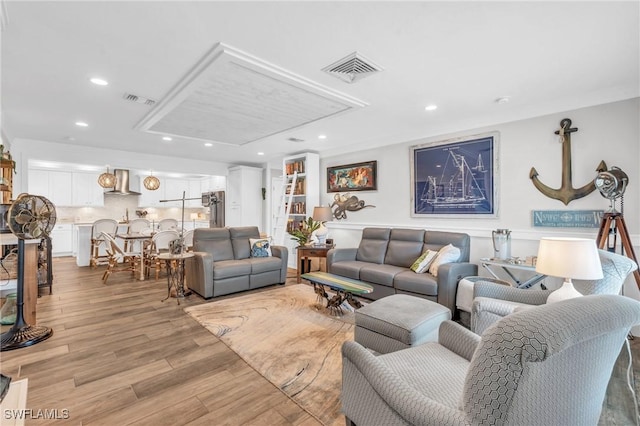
(503, 99)
(322, 136)
(166, 138)
(208, 144)
(81, 124)
(431, 107)
(261, 153)
(99, 81)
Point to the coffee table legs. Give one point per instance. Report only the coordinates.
(334, 303)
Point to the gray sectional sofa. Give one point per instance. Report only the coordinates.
(385, 255)
(223, 264)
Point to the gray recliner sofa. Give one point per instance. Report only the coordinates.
(385, 255)
(222, 262)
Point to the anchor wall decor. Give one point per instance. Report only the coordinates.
(566, 193)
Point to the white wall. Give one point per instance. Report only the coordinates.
(24, 150)
(609, 132)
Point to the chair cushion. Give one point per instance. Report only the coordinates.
(373, 245)
(405, 245)
(240, 240)
(348, 268)
(231, 268)
(380, 274)
(416, 283)
(215, 241)
(265, 264)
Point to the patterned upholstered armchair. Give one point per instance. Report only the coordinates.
(492, 301)
(543, 366)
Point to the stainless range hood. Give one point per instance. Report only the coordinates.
(122, 184)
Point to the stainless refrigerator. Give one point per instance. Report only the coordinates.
(215, 201)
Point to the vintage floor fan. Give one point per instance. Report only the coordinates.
(29, 217)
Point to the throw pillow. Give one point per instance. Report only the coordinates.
(260, 247)
(446, 254)
(421, 265)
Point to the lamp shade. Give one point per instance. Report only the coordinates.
(151, 183)
(572, 258)
(107, 180)
(322, 214)
(193, 216)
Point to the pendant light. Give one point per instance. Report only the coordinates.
(151, 182)
(107, 180)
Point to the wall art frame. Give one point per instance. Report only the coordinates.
(455, 177)
(353, 177)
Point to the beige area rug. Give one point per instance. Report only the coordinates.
(283, 335)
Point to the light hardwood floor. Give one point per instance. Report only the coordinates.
(120, 356)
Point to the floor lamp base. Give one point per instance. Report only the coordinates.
(22, 337)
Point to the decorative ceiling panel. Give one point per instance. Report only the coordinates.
(233, 98)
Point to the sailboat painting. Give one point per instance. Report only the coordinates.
(455, 177)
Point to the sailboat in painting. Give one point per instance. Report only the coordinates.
(458, 186)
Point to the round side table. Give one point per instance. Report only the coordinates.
(175, 273)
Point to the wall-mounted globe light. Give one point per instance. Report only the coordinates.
(107, 180)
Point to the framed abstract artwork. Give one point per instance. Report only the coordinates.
(353, 177)
(456, 177)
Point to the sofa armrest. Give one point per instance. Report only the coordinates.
(283, 253)
(486, 311)
(339, 255)
(512, 294)
(199, 273)
(448, 276)
(458, 339)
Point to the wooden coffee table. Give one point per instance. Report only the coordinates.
(343, 287)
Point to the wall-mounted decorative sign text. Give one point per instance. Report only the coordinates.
(567, 218)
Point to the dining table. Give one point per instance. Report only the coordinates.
(142, 239)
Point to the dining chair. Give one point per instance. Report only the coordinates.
(159, 244)
(119, 259)
(136, 226)
(108, 226)
(187, 238)
(167, 224)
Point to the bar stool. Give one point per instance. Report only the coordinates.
(108, 226)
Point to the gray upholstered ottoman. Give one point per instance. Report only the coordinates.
(398, 322)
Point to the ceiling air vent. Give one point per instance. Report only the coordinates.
(138, 99)
(295, 140)
(352, 68)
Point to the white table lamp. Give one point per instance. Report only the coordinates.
(322, 215)
(194, 216)
(569, 258)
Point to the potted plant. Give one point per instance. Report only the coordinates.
(303, 234)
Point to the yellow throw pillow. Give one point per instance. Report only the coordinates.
(446, 254)
(421, 265)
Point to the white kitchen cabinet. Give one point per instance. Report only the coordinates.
(54, 185)
(174, 190)
(86, 190)
(151, 198)
(195, 191)
(244, 197)
(214, 183)
(62, 240)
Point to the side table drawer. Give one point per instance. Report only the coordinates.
(314, 253)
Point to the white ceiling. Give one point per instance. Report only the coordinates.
(462, 56)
